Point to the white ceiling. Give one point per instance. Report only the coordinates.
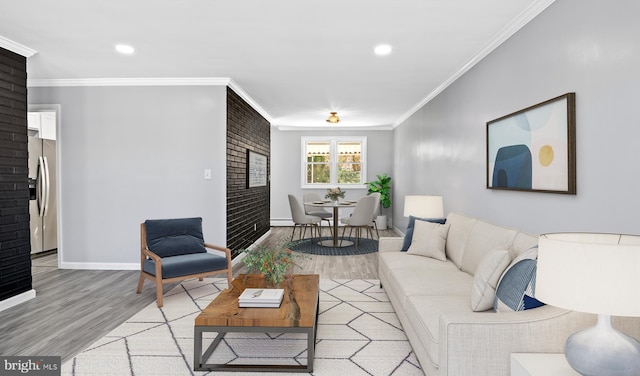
(294, 60)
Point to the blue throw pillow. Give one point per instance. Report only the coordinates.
(517, 288)
(408, 235)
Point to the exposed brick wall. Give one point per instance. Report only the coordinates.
(246, 207)
(15, 240)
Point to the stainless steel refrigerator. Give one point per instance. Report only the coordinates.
(42, 190)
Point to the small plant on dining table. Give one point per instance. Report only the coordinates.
(334, 193)
(275, 263)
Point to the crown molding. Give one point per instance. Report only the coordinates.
(247, 98)
(158, 81)
(294, 128)
(163, 81)
(518, 23)
(16, 47)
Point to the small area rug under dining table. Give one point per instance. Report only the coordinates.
(310, 246)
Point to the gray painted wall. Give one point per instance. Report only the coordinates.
(285, 166)
(132, 153)
(588, 47)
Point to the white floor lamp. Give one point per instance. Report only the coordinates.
(594, 273)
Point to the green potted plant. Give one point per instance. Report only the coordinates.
(382, 186)
(276, 264)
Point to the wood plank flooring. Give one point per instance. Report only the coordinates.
(74, 308)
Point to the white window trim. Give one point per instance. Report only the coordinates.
(334, 164)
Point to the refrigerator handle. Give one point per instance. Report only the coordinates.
(40, 186)
(47, 185)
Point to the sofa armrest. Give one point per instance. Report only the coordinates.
(390, 244)
(487, 338)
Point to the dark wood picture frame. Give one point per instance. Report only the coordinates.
(256, 169)
(534, 149)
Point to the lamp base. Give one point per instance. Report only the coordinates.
(603, 351)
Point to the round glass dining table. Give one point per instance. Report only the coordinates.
(335, 242)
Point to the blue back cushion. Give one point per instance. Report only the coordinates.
(173, 237)
(408, 235)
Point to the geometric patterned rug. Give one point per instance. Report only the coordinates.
(358, 334)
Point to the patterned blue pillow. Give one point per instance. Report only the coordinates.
(517, 287)
(408, 235)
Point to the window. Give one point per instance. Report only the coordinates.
(330, 162)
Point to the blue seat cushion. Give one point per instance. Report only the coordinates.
(173, 237)
(178, 266)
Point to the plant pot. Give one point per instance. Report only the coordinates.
(381, 222)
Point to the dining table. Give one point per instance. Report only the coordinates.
(336, 205)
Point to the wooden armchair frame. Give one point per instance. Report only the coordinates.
(159, 281)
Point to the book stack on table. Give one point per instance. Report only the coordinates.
(261, 298)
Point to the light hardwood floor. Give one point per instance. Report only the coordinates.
(74, 308)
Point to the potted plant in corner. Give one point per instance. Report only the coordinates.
(382, 186)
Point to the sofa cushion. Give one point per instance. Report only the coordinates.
(429, 240)
(485, 281)
(484, 238)
(178, 266)
(522, 243)
(173, 237)
(408, 235)
(396, 262)
(517, 286)
(447, 280)
(459, 229)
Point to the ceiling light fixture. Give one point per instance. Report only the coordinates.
(383, 49)
(125, 49)
(333, 118)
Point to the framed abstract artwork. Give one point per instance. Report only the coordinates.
(256, 169)
(534, 149)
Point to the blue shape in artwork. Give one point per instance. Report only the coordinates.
(512, 168)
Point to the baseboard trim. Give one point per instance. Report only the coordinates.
(17, 299)
(100, 265)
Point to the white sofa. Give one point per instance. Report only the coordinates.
(432, 299)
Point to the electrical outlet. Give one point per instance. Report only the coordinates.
(207, 174)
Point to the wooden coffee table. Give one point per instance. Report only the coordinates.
(298, 313)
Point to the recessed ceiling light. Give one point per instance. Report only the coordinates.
(383, 49)
(125, 49)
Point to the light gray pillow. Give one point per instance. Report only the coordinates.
(429, 240)
(485, 281)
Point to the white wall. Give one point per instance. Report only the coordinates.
(132, 153)
(585, 46)
(286, 169)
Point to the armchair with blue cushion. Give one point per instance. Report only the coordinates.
(174, 250)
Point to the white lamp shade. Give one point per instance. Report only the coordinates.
(594, 273)
(423, 206)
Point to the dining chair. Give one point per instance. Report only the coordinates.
(174, 250)
(360, 218)
(300, 218)
(376, 211)
(315, 211)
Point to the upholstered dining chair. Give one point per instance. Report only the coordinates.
(174, 250)
(315, 211)
(376, 211)
(360, 218)
(300, 218)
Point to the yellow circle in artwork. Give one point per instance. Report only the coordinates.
(546, 155)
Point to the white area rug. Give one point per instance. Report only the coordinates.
(358, 334)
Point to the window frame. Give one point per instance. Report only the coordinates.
(333, 163)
